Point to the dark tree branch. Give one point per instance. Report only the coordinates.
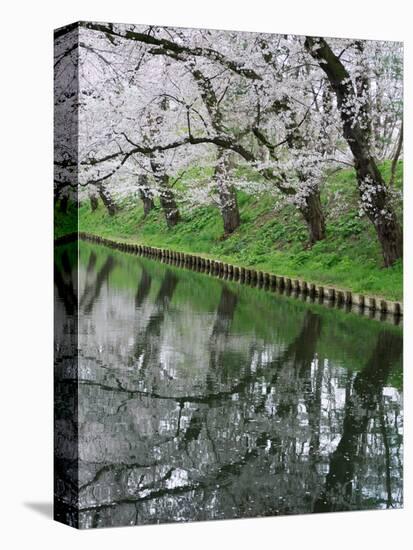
(172, 48)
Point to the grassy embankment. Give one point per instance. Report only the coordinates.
(270, 240)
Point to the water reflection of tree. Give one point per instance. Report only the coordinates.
(259, 425)
(66, 473)
(92, 290)
(144, 288)
(147, 341)
(364, 402)
(65, 281)
(298, 354)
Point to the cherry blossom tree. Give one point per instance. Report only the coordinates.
(353, 102)
(219, 81)
(257, 112)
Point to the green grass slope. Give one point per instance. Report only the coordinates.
(269, 239)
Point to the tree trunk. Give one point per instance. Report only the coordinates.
(230, 212)
(166, 195)
(108, 201)
(64, 201)
(372, 188)
(56, 197)
(93, 202)
(227, 196)
(145, 194)
(314, 217)
(147, 202)
(378, 210)
(157, 162)
(168, 205)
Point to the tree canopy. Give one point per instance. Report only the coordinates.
(258, 112)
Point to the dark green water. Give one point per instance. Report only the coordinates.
(204, 399)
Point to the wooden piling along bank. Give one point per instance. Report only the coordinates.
(327, 295)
